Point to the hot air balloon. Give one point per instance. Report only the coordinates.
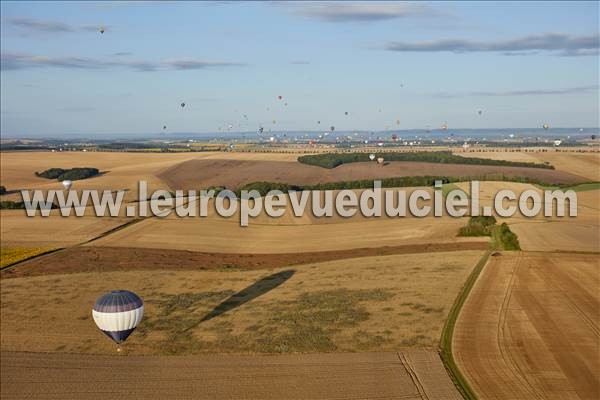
(397, 122)
(182, 105)
(332, 128)
(260, 130)
(371, 157)
(164, 127)
(545, 126)
(67, 184)
(118, 313)
(102, 29)
(380, 160)
(274, 121)
(346, 113)
(280, 97)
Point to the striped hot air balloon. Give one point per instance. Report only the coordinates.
(117, 314)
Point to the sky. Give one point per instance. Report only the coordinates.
(423, 64)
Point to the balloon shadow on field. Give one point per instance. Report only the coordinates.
(253, 291)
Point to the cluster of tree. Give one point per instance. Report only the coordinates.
(502, 237)
(478, 226)
(265, 187)
(332, 160)
(72, 174)
(403, 181)
(2, 190)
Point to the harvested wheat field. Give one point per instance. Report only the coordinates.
(586, 165)
(199, 174)
(220, 235)
(118, 170)
(376, 303)
(18, 230)
(416, 374)
(531, 329)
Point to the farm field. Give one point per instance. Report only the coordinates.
(375, 303)
(530, 328)
(554, 233)
(410, 375)
(195, 174)
(18, 230)
(586, 165)
(369, 295)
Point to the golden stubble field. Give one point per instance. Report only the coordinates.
(586, 165)
(365, 304)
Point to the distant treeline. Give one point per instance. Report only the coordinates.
(72, 174)
(332, 160)
(404, 181)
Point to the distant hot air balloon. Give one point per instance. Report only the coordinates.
(164, 127)
(260, 130)
(182, 105)
(118, 313)
(280, 97)
(274, 121)
(102, 29)
(479, 112)
(319, 122)
(346, 113)
(371, 157)
(380, 160)
(545, 126)
(332, 128)
(397, 122)
(67, 184)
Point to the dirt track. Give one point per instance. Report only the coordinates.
(102, 259)
(530, 328)
(199, 174)
(416, 374)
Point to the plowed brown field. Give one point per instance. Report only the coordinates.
(530, 329)
(201, 174)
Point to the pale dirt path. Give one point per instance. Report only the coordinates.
(530, 328)
(306, 376)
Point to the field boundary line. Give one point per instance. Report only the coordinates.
(45, 253)
(112, 230)
(445, 352)
(52, 251)
(413, 376)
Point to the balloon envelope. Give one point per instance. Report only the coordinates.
(118, 313)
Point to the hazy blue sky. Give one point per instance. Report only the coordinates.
(522, 64)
